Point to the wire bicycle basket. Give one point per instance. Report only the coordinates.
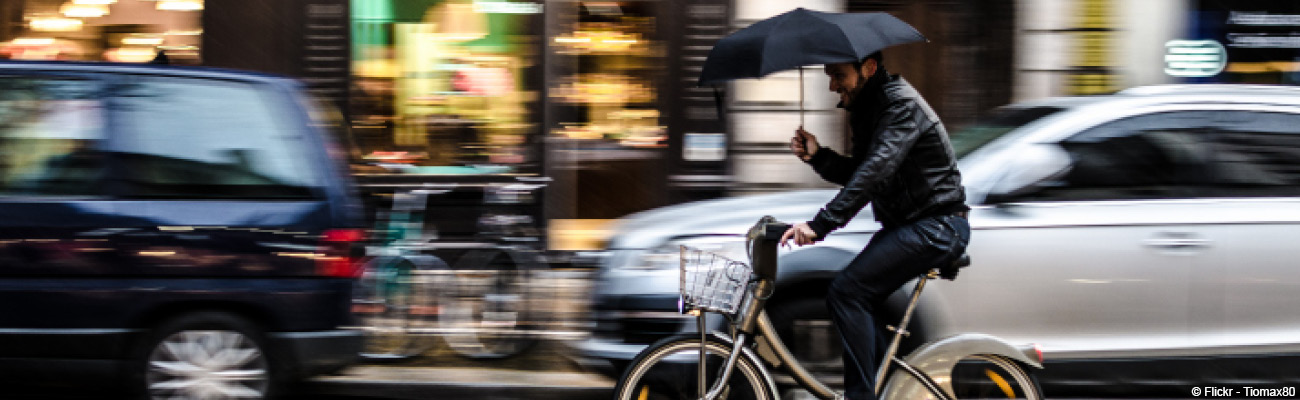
(711, 282)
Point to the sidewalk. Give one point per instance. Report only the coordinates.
(401, 382)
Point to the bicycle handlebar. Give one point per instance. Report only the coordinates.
(761, 242)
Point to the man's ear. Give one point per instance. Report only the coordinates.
(868, 68)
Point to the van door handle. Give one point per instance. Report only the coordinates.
(1177, 240)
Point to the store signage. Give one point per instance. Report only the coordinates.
(1262, 19)
(1194, 58)
(506, 7)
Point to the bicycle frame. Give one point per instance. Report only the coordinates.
(930, 366)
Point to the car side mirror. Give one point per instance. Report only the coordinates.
(1030, 171)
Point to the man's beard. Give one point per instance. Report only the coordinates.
(852, 94)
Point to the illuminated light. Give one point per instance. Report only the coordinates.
(33, 41)
(302, 255)
(572, 40)
(55, 24)
(71, 10)
(142, 41)
(175, 228)
(93, 2)
(1195, 58)
(180, 5)
(506, 7)
(1263, 67)
(459, 38)
(458, 22)
(158, 253)
(627, 41)
(130, 54)
(195, 32)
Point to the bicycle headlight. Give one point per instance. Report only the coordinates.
(668, 255)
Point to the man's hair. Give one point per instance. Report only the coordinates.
(878, 56)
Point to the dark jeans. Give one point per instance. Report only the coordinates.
(894, 256)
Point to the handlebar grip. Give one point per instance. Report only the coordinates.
(774, 230)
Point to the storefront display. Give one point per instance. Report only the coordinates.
(445, 86)
(106, 30)
(612, 67)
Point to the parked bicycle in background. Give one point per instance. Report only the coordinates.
(481, 304)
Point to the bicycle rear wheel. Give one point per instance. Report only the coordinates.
(993, 377)
(486, 304)
(668, 370)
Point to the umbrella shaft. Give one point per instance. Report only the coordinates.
(800, 97)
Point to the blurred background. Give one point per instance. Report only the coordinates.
(507, 137)
(600, 97)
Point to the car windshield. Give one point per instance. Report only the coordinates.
(997, 123)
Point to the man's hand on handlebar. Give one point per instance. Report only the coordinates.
(802, 234)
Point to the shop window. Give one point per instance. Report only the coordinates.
(612, 69)
(443, 87)
(118, 31)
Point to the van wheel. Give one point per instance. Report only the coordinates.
(207, 355)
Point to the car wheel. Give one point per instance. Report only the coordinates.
(208, 355)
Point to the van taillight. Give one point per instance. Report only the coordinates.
(340, 257)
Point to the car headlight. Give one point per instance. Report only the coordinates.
(668, 255)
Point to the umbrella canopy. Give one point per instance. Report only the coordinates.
(803, 37)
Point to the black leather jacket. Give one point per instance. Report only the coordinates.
(902, 162)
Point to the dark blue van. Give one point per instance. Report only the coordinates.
(187, 231)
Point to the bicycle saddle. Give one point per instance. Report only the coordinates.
(949, 271)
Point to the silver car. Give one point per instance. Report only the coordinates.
(1144, 240)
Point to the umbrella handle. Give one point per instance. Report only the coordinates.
(801, 97)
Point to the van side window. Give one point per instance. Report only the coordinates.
(207, 139)
(50, 135)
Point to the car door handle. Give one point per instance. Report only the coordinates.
(1177, 241)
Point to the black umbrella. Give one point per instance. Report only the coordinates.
(803, 37)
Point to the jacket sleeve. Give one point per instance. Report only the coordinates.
(831, 166)
(889, 146)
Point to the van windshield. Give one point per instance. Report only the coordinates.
(995, 124)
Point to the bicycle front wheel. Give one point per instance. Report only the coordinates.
(669, 370)
(993, 377)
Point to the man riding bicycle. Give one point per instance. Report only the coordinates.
(903, 164)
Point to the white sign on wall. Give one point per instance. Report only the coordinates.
(1194, 58)
(704, 147)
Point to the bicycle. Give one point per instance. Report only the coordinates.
(393, 298)
(407, 298)
(682, 367)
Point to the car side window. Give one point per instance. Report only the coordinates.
(1257, 154)
(207, 139)
(51, 129)
(1155, 156)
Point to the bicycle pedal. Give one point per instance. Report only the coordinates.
(894, 329)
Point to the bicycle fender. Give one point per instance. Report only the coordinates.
(749, 354)
(937, 359)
